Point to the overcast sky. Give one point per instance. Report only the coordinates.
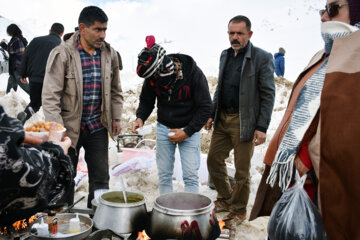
(194, 27)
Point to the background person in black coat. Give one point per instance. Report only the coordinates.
(33, 66)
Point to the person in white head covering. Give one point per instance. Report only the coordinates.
(319, 131)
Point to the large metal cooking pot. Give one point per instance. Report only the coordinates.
(86, 225)
(183, 216)
(112, 213)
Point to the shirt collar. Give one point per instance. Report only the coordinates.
(241, 51)
(81, 48)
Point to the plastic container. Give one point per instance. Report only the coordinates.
(46, 134)
(145, 130)
(74, 224)
(52, 222)
(41, 228)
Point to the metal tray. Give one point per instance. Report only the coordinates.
(63, 228)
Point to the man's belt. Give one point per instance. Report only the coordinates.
(231, 110)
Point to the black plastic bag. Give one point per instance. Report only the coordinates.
(295, 217)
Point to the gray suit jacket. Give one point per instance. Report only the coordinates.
(256, 91)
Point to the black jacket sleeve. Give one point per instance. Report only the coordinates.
(202, 101)
(223, 59)
(147, 101)
(24, 62)
(266, 88)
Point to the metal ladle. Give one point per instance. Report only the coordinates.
(123, 188)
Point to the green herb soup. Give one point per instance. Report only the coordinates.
(118, 199)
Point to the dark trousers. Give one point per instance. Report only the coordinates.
(96, 157)
(14, 81)
(35, 98)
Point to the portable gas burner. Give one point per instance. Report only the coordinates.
(128, 140)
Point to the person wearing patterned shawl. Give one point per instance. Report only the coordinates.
(319, 130)
(34, 175)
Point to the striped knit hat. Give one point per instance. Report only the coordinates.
(154, 60)
(354, 7)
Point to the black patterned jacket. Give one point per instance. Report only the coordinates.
(31, 177)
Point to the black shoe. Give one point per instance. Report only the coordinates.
(22, 117)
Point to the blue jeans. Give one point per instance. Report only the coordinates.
(165, 158)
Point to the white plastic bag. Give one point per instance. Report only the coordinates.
(134, 159)
(81, 170)
(295, 216)
(203, 171)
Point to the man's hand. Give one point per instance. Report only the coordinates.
(179, 136)
(65, 142)
(23, 80)
(137, 124)
(116, 127)
(208, 124)
(259, 137)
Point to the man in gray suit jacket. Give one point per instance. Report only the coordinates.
(243, 103)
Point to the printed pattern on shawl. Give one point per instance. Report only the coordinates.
(305, 110)
(31, 177)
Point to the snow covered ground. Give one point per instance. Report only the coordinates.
(145, 181)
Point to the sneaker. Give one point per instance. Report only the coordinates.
(221, 206)
(22, 117)
(237, 219)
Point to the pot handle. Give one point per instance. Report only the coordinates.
(72, 205)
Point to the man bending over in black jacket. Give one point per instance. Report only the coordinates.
(183, 107)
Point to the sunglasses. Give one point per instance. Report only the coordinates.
(332, 10)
